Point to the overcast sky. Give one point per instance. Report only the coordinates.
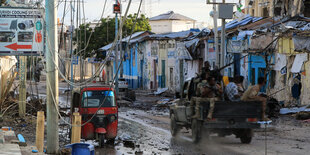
(196, 9)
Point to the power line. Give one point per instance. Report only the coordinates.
(110, 84)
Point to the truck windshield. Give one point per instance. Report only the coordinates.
(92, 99)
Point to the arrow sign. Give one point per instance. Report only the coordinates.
(15, 46)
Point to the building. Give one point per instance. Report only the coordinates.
(171, 22)
(270, 8)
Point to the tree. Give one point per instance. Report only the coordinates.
(105, 33)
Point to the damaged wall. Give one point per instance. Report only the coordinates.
(305, 81)
(7, 75)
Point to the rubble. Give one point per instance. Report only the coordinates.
(284, 111)
(303, 115)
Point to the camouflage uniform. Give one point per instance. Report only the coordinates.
(202, 97)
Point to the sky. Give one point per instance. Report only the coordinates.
(195, 9)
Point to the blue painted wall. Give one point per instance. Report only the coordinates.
(130, 67)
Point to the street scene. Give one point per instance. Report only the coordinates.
(118, 77)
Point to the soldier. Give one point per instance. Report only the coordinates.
(207, 91)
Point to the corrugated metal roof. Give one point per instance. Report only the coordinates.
(173, 35)
(133, 37)
(170, 16)
(235, 23)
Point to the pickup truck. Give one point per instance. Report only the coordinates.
(238, 118)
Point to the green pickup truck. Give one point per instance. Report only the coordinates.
(238, 118)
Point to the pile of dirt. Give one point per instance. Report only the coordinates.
(25, 126)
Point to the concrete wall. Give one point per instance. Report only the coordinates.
(161, 26)
(165, 26)
(182, 25)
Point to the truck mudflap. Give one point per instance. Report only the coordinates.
(227, 125)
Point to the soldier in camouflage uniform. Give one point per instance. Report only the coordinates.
(207, 91)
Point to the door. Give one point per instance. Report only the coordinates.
(181, 69)
(155, 74)
(171, 79)
(163, 75)
(141, 72)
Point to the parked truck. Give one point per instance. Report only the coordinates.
(238, 118)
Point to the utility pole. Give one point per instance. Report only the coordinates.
(121, 44)
(223, 42)
(216, 42)
(71, 43)
(52, 77)
(116, 52)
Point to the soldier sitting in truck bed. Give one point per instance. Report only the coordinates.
(207, 91)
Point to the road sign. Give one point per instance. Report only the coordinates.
(21, 31)
(75, 60)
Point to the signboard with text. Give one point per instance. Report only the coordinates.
(21, 31)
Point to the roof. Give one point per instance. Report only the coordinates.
(235, 23)
(172, 35)
(134, 36)
(170, 16)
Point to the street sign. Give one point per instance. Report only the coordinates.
(75, 60)
(21, 31)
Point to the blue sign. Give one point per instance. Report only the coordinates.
(75, 60)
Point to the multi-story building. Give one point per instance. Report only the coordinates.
(171, 22)
(270, 8)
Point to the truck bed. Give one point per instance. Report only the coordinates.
(240, 109)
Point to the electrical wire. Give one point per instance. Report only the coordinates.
(49, 86)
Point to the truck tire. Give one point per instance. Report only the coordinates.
(246, 136)
(245, 139)
(196, 130)
(174, 129)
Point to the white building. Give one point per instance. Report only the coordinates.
(171, 22)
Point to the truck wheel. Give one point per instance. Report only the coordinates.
(246, 136)
(196, 130)
(245, 139)
(173, 125)
(101, 140)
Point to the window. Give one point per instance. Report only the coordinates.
(93, 99)
(265, 12)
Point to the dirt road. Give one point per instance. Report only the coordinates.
(149, 131)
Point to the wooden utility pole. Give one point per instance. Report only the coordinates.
(223, 43)
(52, 77)
(22, 85)
(216, 42)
